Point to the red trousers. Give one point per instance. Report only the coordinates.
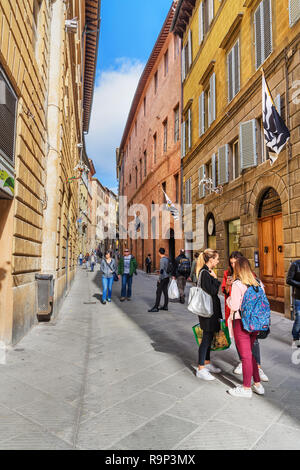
(244, 342)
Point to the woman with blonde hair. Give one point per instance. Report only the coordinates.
(243, 278)
(208, 281)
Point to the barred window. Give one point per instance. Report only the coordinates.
(8, 106)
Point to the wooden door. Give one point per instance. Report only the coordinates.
(271, 255)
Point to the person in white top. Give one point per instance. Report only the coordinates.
(243, 277)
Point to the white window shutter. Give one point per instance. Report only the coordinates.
(183, 139)
(294, 11)
(202, 175)
(248, 144)
(189, 128)
(258, 37)
(237, 68)
(211, 11)
(212, 110)
(201, 114)
(214, 170)
(182, 65)
(201, 22)
(230, 75)
(223, 155)
(267, 25)
(190, 46)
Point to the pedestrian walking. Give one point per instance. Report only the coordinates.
(293, 279)
(108, 270)
(80, 259)
(126, 269)
(193, 275)
(226, 289)
(165, 271)
(245, 280)
(148, 262)
(87, 259)
(208, 281)
(93, 261)
(181, 272)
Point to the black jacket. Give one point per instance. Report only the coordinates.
(211, 286)
(176, 263)
(293, 278)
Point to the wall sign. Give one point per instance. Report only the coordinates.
(256, 259)
(7, 180)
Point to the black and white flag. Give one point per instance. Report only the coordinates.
(275, 131)
(171, 207)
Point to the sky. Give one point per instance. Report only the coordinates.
(128, 32)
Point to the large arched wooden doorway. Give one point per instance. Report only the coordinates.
(271, 248)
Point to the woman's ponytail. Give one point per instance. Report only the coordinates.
(200, 263)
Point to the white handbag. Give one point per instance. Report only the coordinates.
(200, 302)
(173, 291)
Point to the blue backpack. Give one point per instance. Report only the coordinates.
(255, 310)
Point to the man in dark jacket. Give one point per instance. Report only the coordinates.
(181, 272)
(293, 279)
(163, 282)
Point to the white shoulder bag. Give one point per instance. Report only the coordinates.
(200, 302)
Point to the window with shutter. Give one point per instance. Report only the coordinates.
(8, 107)
(202, 175)
(189, 128)
(233, 68)
(212, 101)
(183, 64)
(210, 11)
(190, 49)
(214, 170)
(263, 32)
(223, 164)
(267, 33)
(294, 11)
(201, 114)
(183, 140)
(201, 22)
(248, 144)
(230, 75)
(188, 190)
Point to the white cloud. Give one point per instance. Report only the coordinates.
(113, 94)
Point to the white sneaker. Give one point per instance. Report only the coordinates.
(263, 376)
(213, 369)
(239, 369)
(259, 389)
(296, 344)
(204, 374)
(240, 392)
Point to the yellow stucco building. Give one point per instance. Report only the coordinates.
(48, 55)
(249, 205)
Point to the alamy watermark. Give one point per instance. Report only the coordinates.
(138, 221)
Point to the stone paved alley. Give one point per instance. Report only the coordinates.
(118, 377)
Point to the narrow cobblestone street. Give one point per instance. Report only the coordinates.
(118, 377)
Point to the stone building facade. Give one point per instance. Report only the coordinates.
(45, 101)
(148, 160)
(103, 217)
(225, 46)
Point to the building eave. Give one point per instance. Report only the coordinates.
(182, 15)
(91, 35)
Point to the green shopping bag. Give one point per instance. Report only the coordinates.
(221, 339)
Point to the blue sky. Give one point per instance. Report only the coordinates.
(129, 29)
